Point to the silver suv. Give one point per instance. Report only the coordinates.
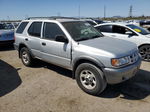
(94, 59)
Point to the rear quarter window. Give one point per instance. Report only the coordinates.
(21, 27)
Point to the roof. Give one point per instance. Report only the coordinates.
(59, 19)
(114, 23)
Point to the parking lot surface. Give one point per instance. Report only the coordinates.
(48, 88)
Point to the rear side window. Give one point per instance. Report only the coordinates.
(51, 30)
(21, 27)
(35, 29)
(105, 28)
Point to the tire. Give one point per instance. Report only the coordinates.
(90, 79)
(26, 57)
(145, 52)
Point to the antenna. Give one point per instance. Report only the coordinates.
(79, 11)
(104, 11)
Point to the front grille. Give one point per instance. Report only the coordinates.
(133, 58)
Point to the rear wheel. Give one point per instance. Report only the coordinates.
(145, 52)
(26, 57)
(90, 78)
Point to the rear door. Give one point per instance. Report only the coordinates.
(33, 39)
(52, 51)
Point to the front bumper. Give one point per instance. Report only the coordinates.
(114, 76)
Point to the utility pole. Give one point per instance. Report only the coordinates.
(8, 18)
(79, 11)
(59, 14)
(130, 11)
(104, 11)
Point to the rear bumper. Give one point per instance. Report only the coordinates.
(4, 43)
(114, 76)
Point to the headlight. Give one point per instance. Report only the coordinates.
(120, 62)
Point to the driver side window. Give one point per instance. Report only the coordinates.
(122, 30)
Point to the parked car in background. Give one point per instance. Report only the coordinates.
(135, 22)
(95, 60)
(6, 34)
(145, 24)
(93, 22)
(129, 32)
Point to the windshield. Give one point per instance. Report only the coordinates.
(9, 26)
(80, 30)
(2, 26)
(6, 26)
(139, 29)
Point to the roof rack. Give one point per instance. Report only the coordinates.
(51, 18)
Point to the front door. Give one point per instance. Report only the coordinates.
(52, 51)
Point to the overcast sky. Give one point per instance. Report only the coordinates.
(20, 9)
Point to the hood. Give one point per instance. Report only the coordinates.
(116, 47)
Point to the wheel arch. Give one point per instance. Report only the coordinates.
(90, 60)
(21, 45)
(143, 45)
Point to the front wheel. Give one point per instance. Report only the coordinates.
(90, 78)
(145, 52)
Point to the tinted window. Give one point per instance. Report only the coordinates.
(51, 30)
(21, 27)
(119, 29)
(105, 28)
(35, 29)
(122, 30)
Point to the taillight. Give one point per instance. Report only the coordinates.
(14, 38)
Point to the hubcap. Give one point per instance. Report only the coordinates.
(25, 57)
(88, 79)
(145, 53)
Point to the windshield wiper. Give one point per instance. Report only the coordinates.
(81, 39)
(85, 38)
(96, 36)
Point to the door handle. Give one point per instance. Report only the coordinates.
(43, 43)
(26, 39)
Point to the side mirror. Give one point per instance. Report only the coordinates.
(61, 38)
(129, 33)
